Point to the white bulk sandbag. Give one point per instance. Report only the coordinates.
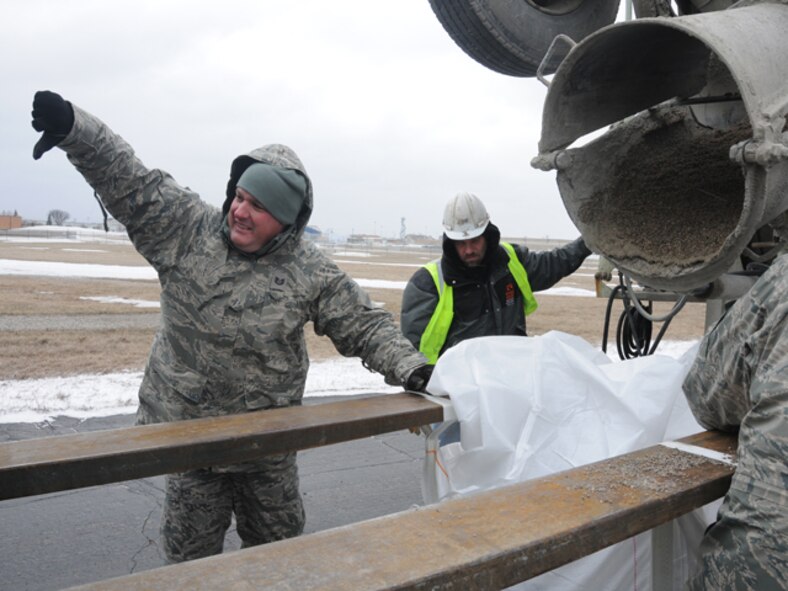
(529, 407)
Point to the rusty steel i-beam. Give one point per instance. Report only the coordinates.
(51, 464)
(489, 540)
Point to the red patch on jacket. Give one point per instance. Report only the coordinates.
(509, 294)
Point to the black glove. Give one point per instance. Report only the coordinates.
(418, 378)
(53, 116)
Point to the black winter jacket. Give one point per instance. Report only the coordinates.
(487, 301)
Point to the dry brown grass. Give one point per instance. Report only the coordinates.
(39, 354)
(25, 295)
(78, 252)
(42, 353)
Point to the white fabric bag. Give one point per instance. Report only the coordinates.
(529, 407)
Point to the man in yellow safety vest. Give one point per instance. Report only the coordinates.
(480, 286)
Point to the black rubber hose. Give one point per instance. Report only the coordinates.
(633, 333)
(608, 308)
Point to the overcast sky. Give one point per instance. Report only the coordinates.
(389, 116)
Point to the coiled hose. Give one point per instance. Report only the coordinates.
(635, 325)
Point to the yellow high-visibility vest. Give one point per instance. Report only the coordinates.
(437, 330)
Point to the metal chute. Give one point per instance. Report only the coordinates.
(694, 159)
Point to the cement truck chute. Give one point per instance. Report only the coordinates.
(695, 161)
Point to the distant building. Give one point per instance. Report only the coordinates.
(364, 239)
(312, 233)
(10, 221)
(422, 239)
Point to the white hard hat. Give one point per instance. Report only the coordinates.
(465, 217)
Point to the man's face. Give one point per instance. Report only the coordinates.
(471, 252)
(251, 226)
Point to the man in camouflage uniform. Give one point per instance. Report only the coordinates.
(740, 382)
(237, 287)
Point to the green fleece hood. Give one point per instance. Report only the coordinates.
(280, 156)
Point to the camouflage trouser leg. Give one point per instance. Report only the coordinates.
(267, 506)
(197, 512)
(199, 505)
(747, 548)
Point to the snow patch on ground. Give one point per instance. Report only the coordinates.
(95, 395)
(119, 300)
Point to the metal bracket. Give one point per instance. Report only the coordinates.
(556, 160)
(549, 55)
(763, 153)
(429, 484)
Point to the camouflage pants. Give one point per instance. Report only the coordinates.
(198, 507)
(747, 548)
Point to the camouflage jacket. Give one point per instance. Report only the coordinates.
(232, 333)
(740, 381)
